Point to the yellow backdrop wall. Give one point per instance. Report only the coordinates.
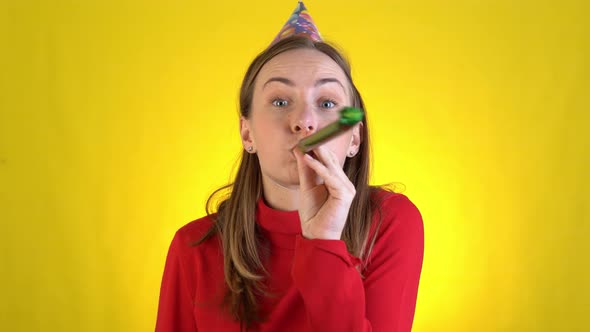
(118, 118)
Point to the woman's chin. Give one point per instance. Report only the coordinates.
(286, 181)
(290, 181)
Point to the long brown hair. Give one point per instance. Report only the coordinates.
(235, 219)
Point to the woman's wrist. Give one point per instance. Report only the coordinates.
(321, 235)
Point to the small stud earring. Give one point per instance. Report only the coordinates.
(351, 154)
(250, 149)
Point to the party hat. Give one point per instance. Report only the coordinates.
(299, 23)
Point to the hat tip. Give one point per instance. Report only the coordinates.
(299, 23)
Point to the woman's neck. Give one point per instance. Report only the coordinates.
(279, 196)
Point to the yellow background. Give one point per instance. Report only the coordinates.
(118, 118)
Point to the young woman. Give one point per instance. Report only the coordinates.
(301, 242)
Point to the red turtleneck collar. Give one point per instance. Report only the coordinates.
(280, 227)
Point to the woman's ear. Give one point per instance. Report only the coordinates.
(355, 140)
(246, 134)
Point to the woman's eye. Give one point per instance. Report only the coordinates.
(280, 102)
(328, 104)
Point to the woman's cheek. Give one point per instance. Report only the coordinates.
(339, 146)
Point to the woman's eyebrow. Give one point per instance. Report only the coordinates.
(279, 79)
(322, 81)
(288, 82)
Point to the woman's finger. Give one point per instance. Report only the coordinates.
(327, 157)
(334, 179)
(308, 178)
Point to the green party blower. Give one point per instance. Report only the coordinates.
(349, 116)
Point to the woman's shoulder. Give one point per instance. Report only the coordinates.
(385, 197)
(394, 210)
(195, 230)
(399, 233)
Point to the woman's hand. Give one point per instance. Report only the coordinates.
(325, 194)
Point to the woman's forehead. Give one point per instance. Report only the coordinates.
(301, 64)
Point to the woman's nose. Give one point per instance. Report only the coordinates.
(304, 121)
(303, 126)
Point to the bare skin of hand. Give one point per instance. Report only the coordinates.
(325, 194)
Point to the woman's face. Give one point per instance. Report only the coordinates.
(295, 94)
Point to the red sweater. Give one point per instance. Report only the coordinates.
(316, 284)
